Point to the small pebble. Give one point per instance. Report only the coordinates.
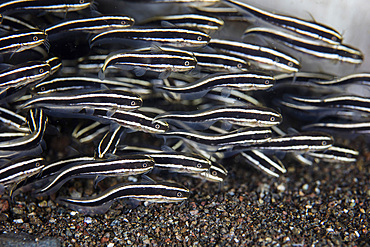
(18, 211)
(19, 221)
(281, 188)
(76, 194)
(88, 220)
(68, 233)
(194, 212)
(43, 204)
(4, 205)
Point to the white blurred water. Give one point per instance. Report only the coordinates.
(349, 17)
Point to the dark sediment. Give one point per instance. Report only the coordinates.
(326, 204)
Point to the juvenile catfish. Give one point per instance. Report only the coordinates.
(152, 192)
(161, 60)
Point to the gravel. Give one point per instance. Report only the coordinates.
(326, 204)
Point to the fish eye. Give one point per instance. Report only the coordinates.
(214, 173)
(239, 65)
(82, 1)
(157, 126)
(42, 88)
(267, 82)
(334, 38)
(145, 165)
(123, 22)
(272, 118)
(187, 63)
(37, 164)
(35, 38)
(133, 103)
(267, 136)
(290, 64)
(199, 165)
(199, 38)
(41, 70)
(179, 194)
(323, 143)
(277, 59)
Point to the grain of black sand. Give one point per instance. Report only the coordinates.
(326, 204)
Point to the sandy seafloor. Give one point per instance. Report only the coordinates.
(321, 205)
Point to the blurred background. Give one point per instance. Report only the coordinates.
(350, 18)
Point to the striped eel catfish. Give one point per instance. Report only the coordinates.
(153, 192)
(237, 81)
(221, 142)
(313, 30)
(118, 166)
(338, 52)
(72, 103)
(16, 171)
(261, 57)
(250, 116)
(175, 37)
